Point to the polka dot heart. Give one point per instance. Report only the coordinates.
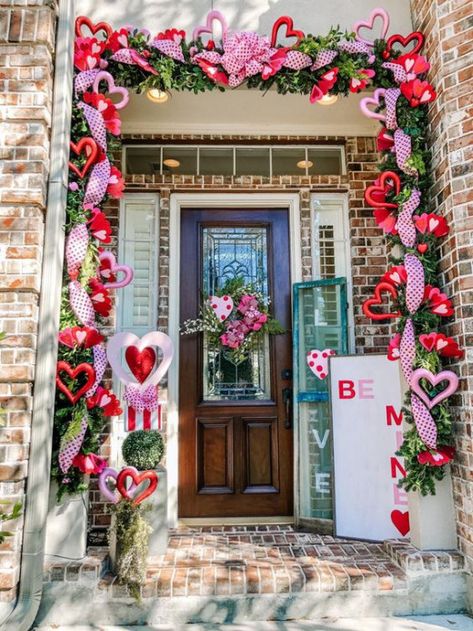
(222, 306)
(318, 361)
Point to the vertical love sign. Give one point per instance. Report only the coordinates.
(366, 400)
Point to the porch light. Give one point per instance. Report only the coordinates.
(305, 164)
(328, 99)
(156, 95)
(172, 163)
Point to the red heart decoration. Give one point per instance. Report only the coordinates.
(89, 147)
(82, 20)
(382, 189)
(290, 31)
(137, 479)
(438, 457)
(422, 248)
(428, 340)
(377, 300)
(404, 41)
(141, 363)
(73, 373)
(401, 521)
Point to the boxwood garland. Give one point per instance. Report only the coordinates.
(142, 66)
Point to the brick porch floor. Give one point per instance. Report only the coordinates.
(273, 559)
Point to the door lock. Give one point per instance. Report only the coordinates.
(287, 400)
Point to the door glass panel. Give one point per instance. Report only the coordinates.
(228, 253)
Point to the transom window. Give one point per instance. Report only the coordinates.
(234, 160)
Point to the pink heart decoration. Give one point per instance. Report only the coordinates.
(415, 284)
(368, 24)
(213, 16)
(425, 424)
(318, 361)
(118, 343)
(110, 473)
(111, 88)
(373, 100)
(445, 375)
(222, 306)
(126, 270)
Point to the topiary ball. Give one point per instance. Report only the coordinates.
(143, 449)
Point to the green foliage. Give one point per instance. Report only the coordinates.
(143, 449)
(8, 515)
(132, 531)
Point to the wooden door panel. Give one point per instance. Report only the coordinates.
(215, 455)
(260, 448)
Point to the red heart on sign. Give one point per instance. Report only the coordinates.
(89, 147)
(137, 478)
(401, 521)
(73, 373)
(404, 41)
(141, 363)
(82, 20)
(290, 31)
(375, 195)
(378, 300)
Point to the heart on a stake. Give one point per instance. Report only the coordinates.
(82, 21)
(74, 373)
(141, 363)
(222, 306)
(114, 268)
(375, 195)
(88, 146)
(110, 474)
(369, 25)
(422, 248)
(381, 288)
(318, 361)
(447, 376)
(154, 340)
(286, 21)
(137, 479)
(417, 36)
(401, 521)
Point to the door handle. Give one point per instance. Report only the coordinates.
(287, 400)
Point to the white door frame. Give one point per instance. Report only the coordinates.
(215, 200)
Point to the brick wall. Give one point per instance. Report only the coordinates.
(26, 64)
(368, 248)
(447, 25)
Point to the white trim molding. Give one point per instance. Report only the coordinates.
(213, 200)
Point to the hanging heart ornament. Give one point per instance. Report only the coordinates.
(88, 146)
(121, 342)
(114, 268)
(222, 306)
(74, 373)
(317, 361)
(378, 301)
(141, 363)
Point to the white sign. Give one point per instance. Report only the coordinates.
(366, 399)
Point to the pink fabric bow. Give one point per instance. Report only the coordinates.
(141, 397)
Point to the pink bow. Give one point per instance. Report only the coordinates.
(141, 398)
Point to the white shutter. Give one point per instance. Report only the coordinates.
(331, 255)
(138, 247)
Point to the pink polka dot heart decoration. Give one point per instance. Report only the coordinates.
(318, 361)
(222, 306)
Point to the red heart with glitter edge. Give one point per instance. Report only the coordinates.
(73, 373)
(83, 20)
(137, 478)
(89, 147)
(401, 521)
(290, 31)
(141, 363)
(383, 188)
(377, 300)
(404, 41)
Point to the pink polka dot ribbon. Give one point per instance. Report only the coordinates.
(405, 225)
(415, 284)
(425, 424)
(407, 350)
(98, 182)
(70, 446)
(96, 124)
(390, 98)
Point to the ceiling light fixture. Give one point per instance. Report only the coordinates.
(305, 164)
(156, 95)
(172, 163)
(328, 99)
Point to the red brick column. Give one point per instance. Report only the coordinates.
(447, 25)
(27, 35)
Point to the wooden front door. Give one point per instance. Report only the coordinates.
(235, 424)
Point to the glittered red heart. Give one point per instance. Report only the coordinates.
(401, 521)
(137, 478)
(286, 21)
(404, 41)
(73, 373)
(141, 363)
(382, 189)
(378, 300)
(82, 20)
(89, 147)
